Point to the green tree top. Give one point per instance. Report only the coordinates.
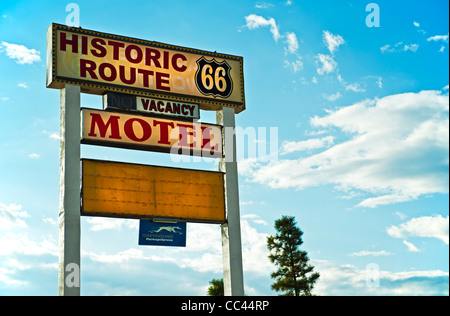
(216, 287)
(294, 275)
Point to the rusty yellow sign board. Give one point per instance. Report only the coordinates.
(116, 189)
(102, 62)
(148, 133)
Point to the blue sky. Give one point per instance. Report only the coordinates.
(362, 149)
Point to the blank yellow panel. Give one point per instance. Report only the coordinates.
(115, 189)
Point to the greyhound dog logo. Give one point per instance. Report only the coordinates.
(170, 229)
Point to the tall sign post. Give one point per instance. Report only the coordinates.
(153, 93)
(233, 277)
(69, 192)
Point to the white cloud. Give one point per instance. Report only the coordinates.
(291, 40)
(34, 156)
(394, 162)
(12, 216)
(332, 41)
(255, 21)
(296, 65)
(104, 223)
(349, 280)
(399, 47)
(23, 85)
(385, 48)
(325, 64)
(263, 5)
(426, 226)
(201, 254)
(332, 97)
(437, 38)
(412, 47)
(411, 247)
(255, 219)
(22, 244)
(20, 53)
(313, 143)
(364, 253)
(416, 24)
(51, 135)
(355, 87)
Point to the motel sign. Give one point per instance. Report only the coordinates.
(152, 97)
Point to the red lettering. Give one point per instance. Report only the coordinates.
(163, 131)
(153, 106)
(160, 104)
(129, 131)
(206, 139)
(84, 45)
(145, 103)
(162, 78)
(176, 108)
(175, 66)
(191, 109)
(102, 72)
(63, 42)
(184, 134)
(116, 46)
(152, 55)
(128, 54)
(100, 50)
(87, 66)
(145, 76)
(168, 108)
(183, 108)
(113, 123)
(122, 77)
(166, 60)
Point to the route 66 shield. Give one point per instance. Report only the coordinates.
(213, 78)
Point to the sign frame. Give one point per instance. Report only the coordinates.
(207, 102)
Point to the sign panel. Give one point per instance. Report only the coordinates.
(162, 234)
(180, 110)
(115, 189)
(102, 62)
(149, 133)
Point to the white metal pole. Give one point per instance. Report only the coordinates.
(231, 232)
(69, 192)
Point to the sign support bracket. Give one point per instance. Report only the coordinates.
(233, 277)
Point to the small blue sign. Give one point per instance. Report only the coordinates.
(162, 234)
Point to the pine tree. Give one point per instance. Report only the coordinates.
(294, 275)
(216, 287)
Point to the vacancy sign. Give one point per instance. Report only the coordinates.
(124, 190)
(101, 63)
(148, 133)
(128, 102)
